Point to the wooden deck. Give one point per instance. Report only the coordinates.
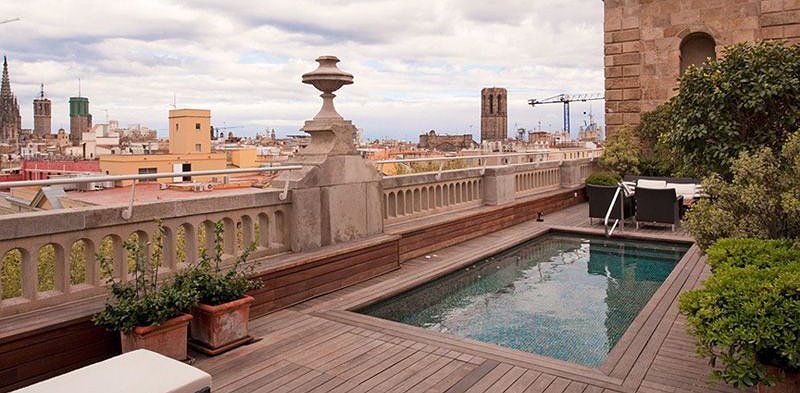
(320, 346)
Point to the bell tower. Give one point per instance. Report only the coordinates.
(494, 117)
(42, 116)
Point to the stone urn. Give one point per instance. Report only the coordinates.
(168, 338)
(216, 329)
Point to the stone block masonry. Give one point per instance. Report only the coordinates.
(646, 40)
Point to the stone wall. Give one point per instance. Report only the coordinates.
(643, 44)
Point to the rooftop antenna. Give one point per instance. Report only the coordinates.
(79, 87)
(106, 111)
(174, 102)
(41, 93)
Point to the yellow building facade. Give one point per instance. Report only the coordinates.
(189, 150)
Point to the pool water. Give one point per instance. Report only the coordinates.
(564, 296)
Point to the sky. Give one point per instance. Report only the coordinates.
(418, 64)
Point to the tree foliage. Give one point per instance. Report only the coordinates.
(745, 101)
(762, 200)
(621, 152)
(655, 156)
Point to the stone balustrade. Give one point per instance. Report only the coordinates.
(412, 196)
(49, 257)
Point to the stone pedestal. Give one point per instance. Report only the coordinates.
(499, 186)
(337, 196)
(571, 174)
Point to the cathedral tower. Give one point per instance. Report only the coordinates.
(41, 116)
(494, 117)
(10, 119)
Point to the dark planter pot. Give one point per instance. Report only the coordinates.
(789, 384)
(168, 339)
(216, 329)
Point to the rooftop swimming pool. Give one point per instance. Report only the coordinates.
(564, 296)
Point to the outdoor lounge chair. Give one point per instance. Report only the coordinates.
(600, 198)
(660, 206)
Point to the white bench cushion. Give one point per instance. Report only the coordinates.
(687, 190)
(657, 184)
(137, 371)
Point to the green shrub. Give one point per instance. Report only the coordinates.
(212, 283)
(603, 179)
(738, 104)
(762, 200)
(621, 152)
(655, 157)
(748, 313)
(730, 252)
(144, 301)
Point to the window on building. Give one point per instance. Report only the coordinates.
(146, 171)
(197, 126)
(695, 49)
(198, 147)
(491, 104)
(499, 102)
(177, 126)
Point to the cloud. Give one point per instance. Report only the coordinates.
(417, 64)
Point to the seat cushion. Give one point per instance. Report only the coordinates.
(132, 372)
(655, 184)
(687, 190)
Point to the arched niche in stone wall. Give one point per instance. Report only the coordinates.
(696, 48)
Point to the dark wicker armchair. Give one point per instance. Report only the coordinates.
(658, 206)
(600, 198)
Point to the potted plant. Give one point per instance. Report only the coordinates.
(149, 314)
(222, 315)
(747, 317)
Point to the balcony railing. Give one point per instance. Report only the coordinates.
(49, 257)
(517, 175)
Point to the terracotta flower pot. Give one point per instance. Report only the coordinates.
(789, 384)
(168, 339)
(216, 329)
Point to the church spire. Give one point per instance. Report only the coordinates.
(5, 90)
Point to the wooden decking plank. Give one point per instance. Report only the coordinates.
(319, 380)
(541, 384)
(389, 377)
(441, 374)
(522, 383)
(508, 379)
(410, 381)
(575, 387)
(473, 376)
(660, 332)
(264, 376)
(558, 386)
(490, 379)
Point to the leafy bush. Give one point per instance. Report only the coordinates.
(603, 179)
(213, 285)
(655, 157)
(747, 313)
(743, 102)
(621, 152)
(761, 201)
(751, 252)
(145, 301)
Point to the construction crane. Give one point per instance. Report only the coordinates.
(9, 20)
(566, 99)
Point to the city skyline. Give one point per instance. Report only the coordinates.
(419, 66)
